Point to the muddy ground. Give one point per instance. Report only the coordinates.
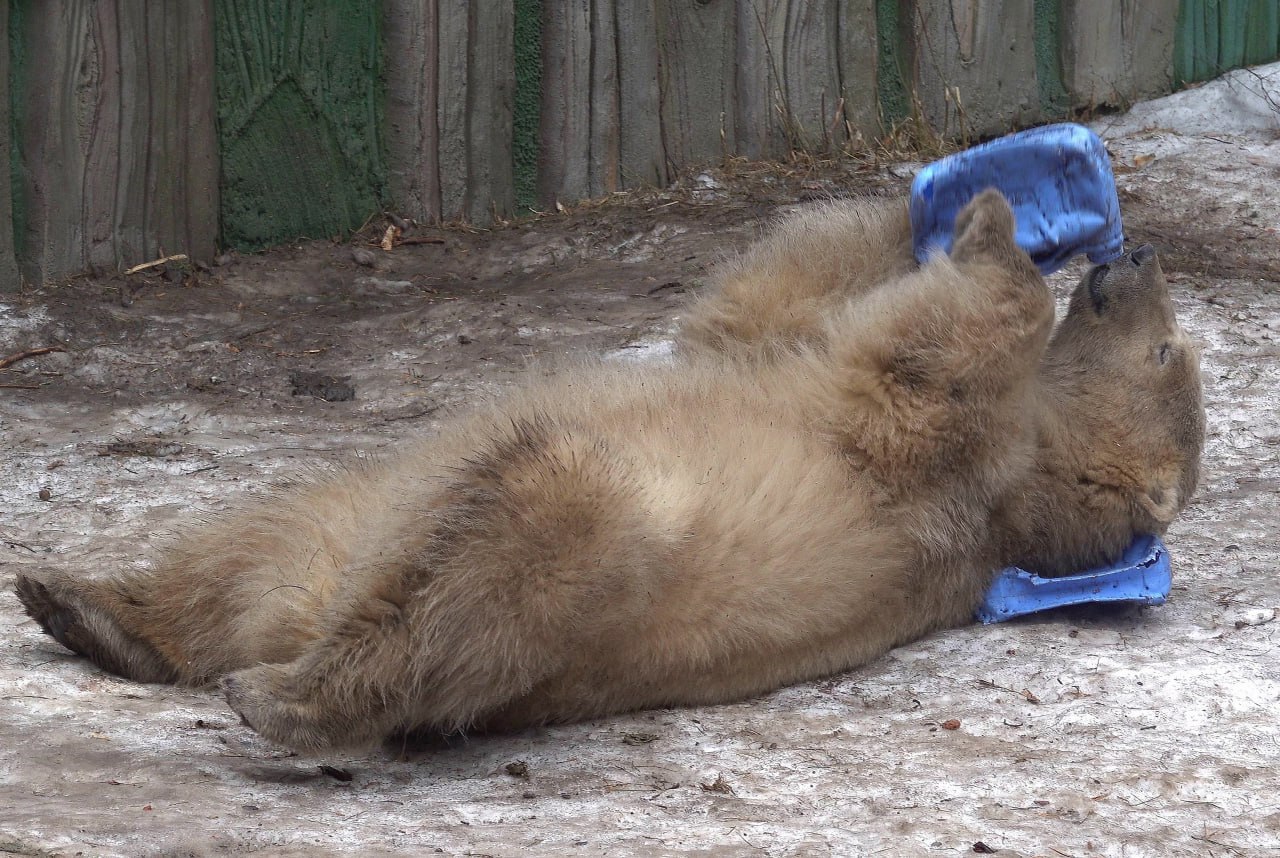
(1123, 732)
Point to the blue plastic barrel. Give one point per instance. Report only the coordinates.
(1058, 180)
(1141, 575)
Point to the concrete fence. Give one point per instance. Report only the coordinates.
(137, 129)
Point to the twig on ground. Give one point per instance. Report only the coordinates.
(13, 543)
(412, 415)
(5, 363)
(1263, 89)
(251, 331)
(155, 263)
(199, 470)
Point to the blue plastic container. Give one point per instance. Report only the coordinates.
(1057, 178)
(1141, 575)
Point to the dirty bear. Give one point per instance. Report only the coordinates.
(845, 450)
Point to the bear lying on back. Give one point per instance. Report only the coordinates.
(846, 449)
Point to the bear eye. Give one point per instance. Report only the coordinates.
(1163, 354)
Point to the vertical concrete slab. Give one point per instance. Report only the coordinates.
(605, 166)
(1115, 53)
(564, 154)
(409, 32)
(491, 102)
(811, 90)
(974, 65)
(760, 131)
(9, 279)
(788, 93)
(806, 73)
(476, 102)
(115, 125)
(1149, 28)
(641, 152)
(453, 131)
(696, 65)
(579, 152)
(858, 63)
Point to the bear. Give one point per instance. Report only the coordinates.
(844, 451)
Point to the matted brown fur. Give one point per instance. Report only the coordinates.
(844, 451)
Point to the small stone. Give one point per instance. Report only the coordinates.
(364, 257)
(340, 775)
(45, 494)
(326, 387)
(639, 738)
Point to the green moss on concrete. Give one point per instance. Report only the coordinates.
(299, 118)
(891, 79)
(528, 101)
(1054, 101)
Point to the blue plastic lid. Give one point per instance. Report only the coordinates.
(1141, 575)
(1058, 180)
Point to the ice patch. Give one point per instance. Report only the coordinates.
(643, 351)
(1245, 101)
(13, 319)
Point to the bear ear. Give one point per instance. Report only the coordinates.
(1161, 502)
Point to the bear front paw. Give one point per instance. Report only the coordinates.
(269, 701)
(258, 696)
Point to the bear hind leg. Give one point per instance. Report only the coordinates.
(79, 615)
(402, 658)
(541, 548)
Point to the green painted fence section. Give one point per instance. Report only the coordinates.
(299, 118)
(134, 129)
(1215, 36)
